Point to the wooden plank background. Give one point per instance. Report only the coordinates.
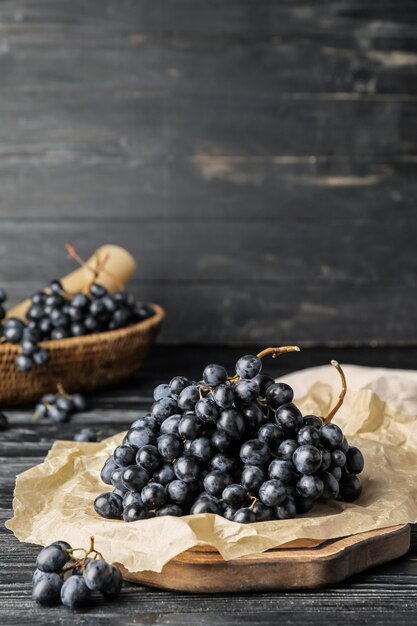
(258, 158)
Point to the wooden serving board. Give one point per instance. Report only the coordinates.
(203, 570)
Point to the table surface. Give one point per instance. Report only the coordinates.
(384, 595)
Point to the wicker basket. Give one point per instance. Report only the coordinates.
(79, 363)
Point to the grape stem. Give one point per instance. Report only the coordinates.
(254, 501)
(342, 394)
(80, 562)
(277, 351)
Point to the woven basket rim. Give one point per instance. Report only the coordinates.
(95, 338)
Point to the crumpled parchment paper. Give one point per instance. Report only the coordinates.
(54, 500)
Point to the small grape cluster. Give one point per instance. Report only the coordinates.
(59, 406)
(234, 446)
(57, 314)
(62, 578)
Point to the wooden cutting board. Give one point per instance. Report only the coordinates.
(203, 570)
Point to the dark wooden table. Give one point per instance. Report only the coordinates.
(384, 595)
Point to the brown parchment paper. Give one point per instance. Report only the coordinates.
(54, 500)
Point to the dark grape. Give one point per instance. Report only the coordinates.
(170, 509)
(139, 437)
(114, 585)
(214, 375)
(148, 457)
(308, 435)
(163, 408)
(252, 478)
(331, 486)
(171, 425)
(190, 426)
(200, 449)
(282, 470)
(271, 434)
(161, 391)
(232, 423)
(107, 470)
(224, 396)
(134, 477)
(278, 394)
(272, 492)
(286, 510)
(220, 441)
(188, 398)
(177, 384)
(164, 474)
(255, 452)
(252, 415)
(264, 381)
(131, 497)
(350, 488)
(289, 417)
(74, 592)
(124, 455)
(244, 516)
(246, 391)
(207, 410)
(178, 491)
(109, 505)
(86, 434)
(206, 504)
(313, 420)
(331, 436)
(223, 462)
(47, 589)
(248, 366)
(338, 458)
(186, 469)
(153, 495)
(235, 495)
(97, 574)
(310, 487)
(287, 448)
(170, 446)
(52, 558)
(307, 459)
(263, 513)
(354, 460)
(216, 481)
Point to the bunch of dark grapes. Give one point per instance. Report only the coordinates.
(59, 406)
(234, 446)
(62, 578)
(56, 314)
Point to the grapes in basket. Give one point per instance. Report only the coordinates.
(234, 446)
(57, 314)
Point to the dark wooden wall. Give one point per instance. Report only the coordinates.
(259, 158)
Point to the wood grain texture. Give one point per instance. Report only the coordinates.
(382, 596)
(203, 570)
(231, 146)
